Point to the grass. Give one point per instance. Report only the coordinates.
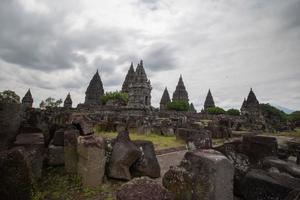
(56, 184)
(295, 133)
(159, 141)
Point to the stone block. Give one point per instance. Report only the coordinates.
(56, 155)
(70, 150)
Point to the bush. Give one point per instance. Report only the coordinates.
(294, 116)
(115, 96)
(270, 112)
(233, 112)
(215, 111)
(9, 96)
(178, 106)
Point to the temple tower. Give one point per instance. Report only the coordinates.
(180, 93)
(68, 101)
(95, 91)
(209, 101)
(27, 100)
(165, 99)
(192, 108)
(250, 107)
(139, 95)
(128, 79)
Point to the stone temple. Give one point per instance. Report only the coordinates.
(128, 79)
(139, 92)
(95, 91)
(209, 101)
(165, 99)
(180, 93)
(68, 102)
(27, 100)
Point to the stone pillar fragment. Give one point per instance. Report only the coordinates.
(70, 150)
(91, 160)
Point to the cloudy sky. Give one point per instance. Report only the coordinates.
(55, 46)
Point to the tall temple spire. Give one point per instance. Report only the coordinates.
(68, 101)
(209, 101)
(180, 93)
(94, 91)
(139, 95)
(165, 99)
(128, 79)
(251, 99)
(27, 100)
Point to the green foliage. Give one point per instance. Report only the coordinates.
(9, 96)
(294, 116)
(50, 103)
(178, 106)
(215, 111)
(115, 96)
(270, 112)
(233, 112)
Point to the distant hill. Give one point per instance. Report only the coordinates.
(284, 109)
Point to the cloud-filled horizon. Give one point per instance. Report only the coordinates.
(55, 46)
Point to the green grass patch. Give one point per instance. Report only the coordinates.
(159, 141)
(295, 133)
(56, 184)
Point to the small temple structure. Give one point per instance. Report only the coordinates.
(95, 91)
(68, 101)
(27, 100)
(251, 108)
(180, 93)
(209, 101)
(165, 99)
(139, 94)
(128, 79)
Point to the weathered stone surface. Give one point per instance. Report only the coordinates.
(9, 124)
(258, 147)
(165, 99)
(293, 195)
(261, 185)
(195, 139)
(124, 154)
(15, 176)
(293, 146)
(94, 91)
(209, 101)
(58, 139)
(147, 164)
(180, 93)
(203, 174)
(220, 127)
(56, 155)
(33, 144)
(143, 189)
(70, 150)
(82, 125)
(91, 160)
(282, 166)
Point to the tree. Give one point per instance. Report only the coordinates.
(9, 96)
(115, 96)
(178, 106)
(270, 112)
(233, 112)
(294, 116)
(50, 103)
(215, 111)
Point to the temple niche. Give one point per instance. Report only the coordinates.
(139, 91)
(27, 100)
(165, 99)
(95, 91)
(180, 93)
(68, 101)
(209, 101)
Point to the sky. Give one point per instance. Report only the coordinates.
(55, 46)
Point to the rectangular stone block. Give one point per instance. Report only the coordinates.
(70, 150)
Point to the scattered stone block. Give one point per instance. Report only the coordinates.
(147, 164)
(203, 174)
(70, 150)
(195, 139)
(56, 155)
(262, 185)
(124, 154)
(144, 189)
(15, 175)
(58, 139)
(91, 160)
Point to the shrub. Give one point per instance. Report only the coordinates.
(294, 116)
(233, 112)
(9, 96)
(178, 106)
(50, 103)
(270, 112)
(215, 111)
(115, 96)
